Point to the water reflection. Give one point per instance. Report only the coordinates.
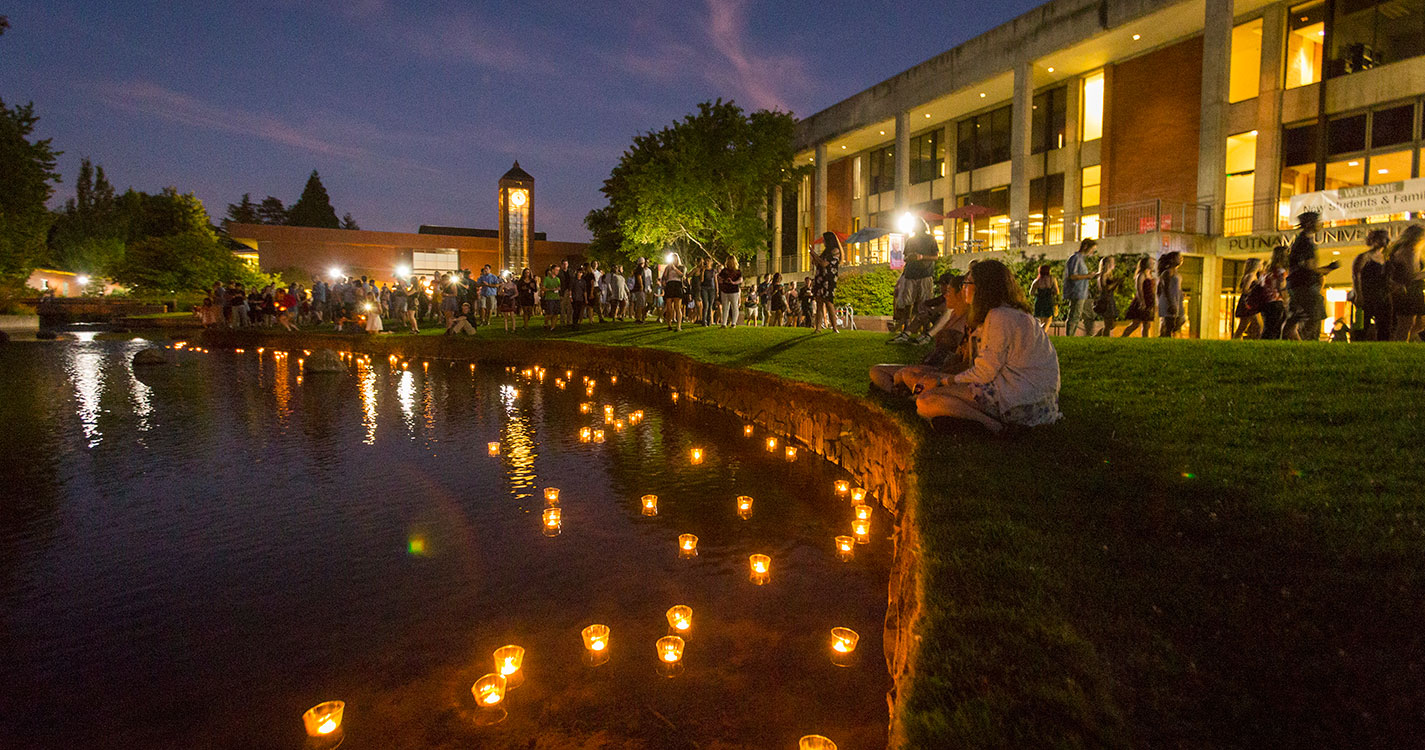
(333, 565)
(406, 395)
(86, 371)
(367, 378)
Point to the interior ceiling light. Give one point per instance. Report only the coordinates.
(1136, 37)
(982, 94)
(1051, 68)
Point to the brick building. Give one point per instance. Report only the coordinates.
(431, 250)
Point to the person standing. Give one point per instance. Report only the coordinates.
(1076, 288)
(566, 292)
(1170, 294)
(398, 303)
(582, 280)
(1046, 295)
(1306, 308)
(1372, 292)
(618, 293)
(776, 301)
(674, 297)
(1376, 241)
(527, 293)
(487, 285)
(702, 282)
(823, 284)
(1272, 287)
(594, 305)
(1249, 319)
(640, 290)
(1407, 283)
(729, 292)
(1106, 305)
(552, 303)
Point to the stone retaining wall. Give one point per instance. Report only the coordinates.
(872, 444)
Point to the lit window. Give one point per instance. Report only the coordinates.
(1241, 182)
(1244, 80)
(1093, 107)
(1088, 227)
(1306, 30)
(1091, 180)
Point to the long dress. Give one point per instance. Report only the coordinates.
(373, 316)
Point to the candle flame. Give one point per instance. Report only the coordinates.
(492, 698)
(597, 645)
(327, 727)
(840, 646)
(509, 667)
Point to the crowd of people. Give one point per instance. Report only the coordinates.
(1282, 297)
(706, 293)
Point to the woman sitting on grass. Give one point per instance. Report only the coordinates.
(1014, 380)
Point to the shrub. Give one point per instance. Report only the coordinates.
(870, 293)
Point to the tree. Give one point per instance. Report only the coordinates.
(347, 222)
(271, 211)
(88, 235)
(314, 208)
(172, 245)
(701, 183)
(242, 212)
(27, 175)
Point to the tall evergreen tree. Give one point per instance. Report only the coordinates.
(271, 211)
(347, 222)
(314, 208)
(242, 212)
(89, 234)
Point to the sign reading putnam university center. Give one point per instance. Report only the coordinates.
(1364, 201)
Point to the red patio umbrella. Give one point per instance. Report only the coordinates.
(839, 235)
(968, 211)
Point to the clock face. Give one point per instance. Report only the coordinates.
(518, 198)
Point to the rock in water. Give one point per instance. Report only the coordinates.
(324, 360)
(151, 356)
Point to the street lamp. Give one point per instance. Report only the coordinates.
(334, 272)
(83, 280)
(403, 271)
(906, 224)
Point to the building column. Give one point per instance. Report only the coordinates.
(1212, 135)
(776, 264)
(947, 137)
(1209, 297)
(1266, 175)
(818, 204)
(1021, 112)
(1073, 167)
(902, 161)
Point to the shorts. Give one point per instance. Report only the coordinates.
(673, 290)
(551, 306)
(487, 302)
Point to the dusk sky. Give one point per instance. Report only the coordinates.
(412, 111)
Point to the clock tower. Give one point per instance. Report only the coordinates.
(516, 219)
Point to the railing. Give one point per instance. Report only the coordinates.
(1155, 216)
(1253, 216)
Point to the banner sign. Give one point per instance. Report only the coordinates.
(897, 250)
(1362, 202)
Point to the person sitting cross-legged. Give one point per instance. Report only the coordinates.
(952, 350)
(1014, 379)
(461, 322)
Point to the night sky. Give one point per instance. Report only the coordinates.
(412, 111)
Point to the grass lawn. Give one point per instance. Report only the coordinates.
(1220, 546)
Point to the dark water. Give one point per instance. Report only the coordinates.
(191, 556)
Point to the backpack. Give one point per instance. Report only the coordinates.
(1254, 301)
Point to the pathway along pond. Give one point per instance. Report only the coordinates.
(192, 555)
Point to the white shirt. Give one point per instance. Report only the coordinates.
(1014, 356)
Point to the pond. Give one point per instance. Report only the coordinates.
(192, 555)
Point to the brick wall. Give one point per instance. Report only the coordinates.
(1150, 144)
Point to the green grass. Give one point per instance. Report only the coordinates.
(1220, 546)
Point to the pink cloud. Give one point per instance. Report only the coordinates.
(150, 99)
(761, 79)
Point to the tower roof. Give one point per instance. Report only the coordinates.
(516, 173)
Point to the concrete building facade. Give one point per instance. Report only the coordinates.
(1151, 125)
